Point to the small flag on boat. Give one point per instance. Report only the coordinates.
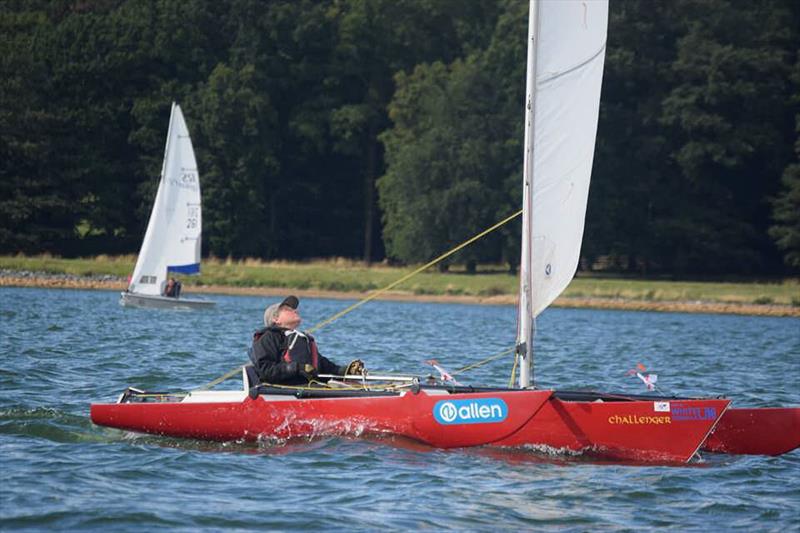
(443, 374)
(649, 379)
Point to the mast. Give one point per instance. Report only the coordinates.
(525, 323)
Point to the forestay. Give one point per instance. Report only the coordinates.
(566, 52)
(173, 237)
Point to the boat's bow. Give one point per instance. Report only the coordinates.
(622, 428)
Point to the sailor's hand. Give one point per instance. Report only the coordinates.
(356, 366)
(309, 372)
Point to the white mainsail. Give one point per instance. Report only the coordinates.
(566, 53)
(172, 240)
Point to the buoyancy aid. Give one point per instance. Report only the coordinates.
(301, 348)
(304, 352)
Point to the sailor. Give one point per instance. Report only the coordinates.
(173, 288)
(282, 354)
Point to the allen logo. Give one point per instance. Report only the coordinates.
(480, 411)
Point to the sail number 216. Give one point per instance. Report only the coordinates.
(192, 218)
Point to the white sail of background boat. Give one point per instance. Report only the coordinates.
(173, 238)
(562, 103)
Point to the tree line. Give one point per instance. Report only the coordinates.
(392, 129)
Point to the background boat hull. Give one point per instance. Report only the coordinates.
(129, 299)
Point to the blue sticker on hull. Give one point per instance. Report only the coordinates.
(693, 413)
(478, 411)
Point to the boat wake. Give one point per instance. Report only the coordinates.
(47, 423)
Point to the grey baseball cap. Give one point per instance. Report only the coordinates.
(271, 312)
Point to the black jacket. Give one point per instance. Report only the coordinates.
(275, 363)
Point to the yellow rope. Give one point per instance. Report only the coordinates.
(483, 362)
(230, 373)
(513, 372)
(317, 385)
(377, 293)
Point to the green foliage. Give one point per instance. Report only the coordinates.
(631, 161)
(727, 114)
(298, 109)
(786, 205)
(450, 153)
(691, 138)
(443, 155)
(37, 201)
(787, 215)
(233, 109)
(786, 211)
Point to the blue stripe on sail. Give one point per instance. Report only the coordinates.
(193, 268)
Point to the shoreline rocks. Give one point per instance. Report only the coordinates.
(23, 278)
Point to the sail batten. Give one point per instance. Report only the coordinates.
(547, 79)
(566, 53)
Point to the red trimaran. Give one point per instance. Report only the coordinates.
(566, 52)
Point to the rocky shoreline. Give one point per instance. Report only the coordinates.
(15, 278)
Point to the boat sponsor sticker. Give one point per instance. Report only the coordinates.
(478, 411)
(682, 413)
(661, 407)
(672, 412)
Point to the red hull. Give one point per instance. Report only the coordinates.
(410, 415)
(764, 431)
(628, 430)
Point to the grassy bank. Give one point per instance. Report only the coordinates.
(350, 276)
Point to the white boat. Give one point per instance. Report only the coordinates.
(172, 241)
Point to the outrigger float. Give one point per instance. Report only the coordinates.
(566, 51)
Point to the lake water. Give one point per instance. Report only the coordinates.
(63, 349)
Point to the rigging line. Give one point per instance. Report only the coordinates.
(483, 362)
(232, 372)
(377, 293)
(159, 394)
(513, 372)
